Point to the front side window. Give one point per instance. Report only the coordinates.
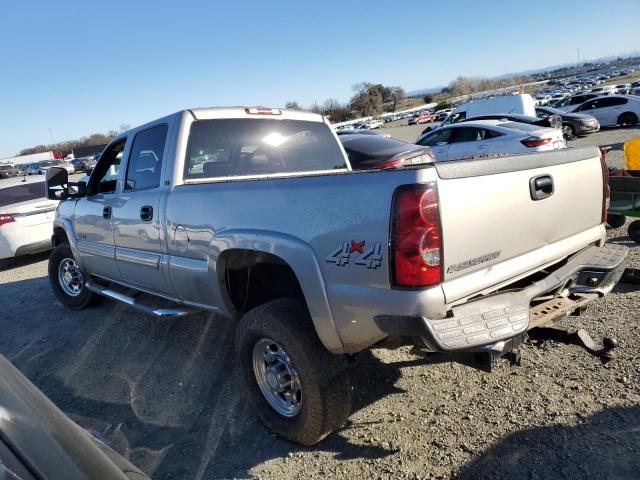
(145, 160)
(247, 146)
(105, 176)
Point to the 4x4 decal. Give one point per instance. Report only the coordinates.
(369, 257)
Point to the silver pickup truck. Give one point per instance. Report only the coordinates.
(255, 214)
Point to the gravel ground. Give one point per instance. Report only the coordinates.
(166, 393)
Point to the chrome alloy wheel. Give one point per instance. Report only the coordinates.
(70, 277)
(277, 377)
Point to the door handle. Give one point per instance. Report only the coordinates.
(481, 147)
(146, 213)
(106, 213)
(541, 187)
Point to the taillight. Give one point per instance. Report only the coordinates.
(606, 189)
(416, 238)
(535, 141)
(406, 162)
(6, 218)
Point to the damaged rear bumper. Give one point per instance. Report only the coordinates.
(587, 275)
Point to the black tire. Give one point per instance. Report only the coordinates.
(615, 220)
(568, 131)
(326, 389)
(628, 119)
(61, 253)
(634, 231)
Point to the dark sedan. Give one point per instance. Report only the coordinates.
(573, 124)
(38, 441)
(373, 152)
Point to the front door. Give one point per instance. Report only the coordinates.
(137, 225)
(94, 216)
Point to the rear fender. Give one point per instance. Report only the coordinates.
(302, 260)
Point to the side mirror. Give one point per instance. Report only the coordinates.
(78, 189)
(57, 183)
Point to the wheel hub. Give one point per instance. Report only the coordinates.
(277, 378)
(70, 277)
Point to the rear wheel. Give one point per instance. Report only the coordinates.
(67, 279)
(300, 391)
(627, 119)
(634, 231)
(615, 220)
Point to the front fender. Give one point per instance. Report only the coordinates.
(66, 225)
(302, 260)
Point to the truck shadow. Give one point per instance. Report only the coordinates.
(605, 445)
(165, 393)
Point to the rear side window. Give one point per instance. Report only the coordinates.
(145, 160)
(21, 193)
(248, 146)
(439, 137)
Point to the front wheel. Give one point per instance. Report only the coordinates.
(67, 280)
(634, 231)
(301, 391)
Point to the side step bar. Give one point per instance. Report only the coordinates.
(133, 302)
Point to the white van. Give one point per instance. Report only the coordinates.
(522, 104)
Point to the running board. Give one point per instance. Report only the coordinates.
(134, 303)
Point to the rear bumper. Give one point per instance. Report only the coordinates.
(593, 270)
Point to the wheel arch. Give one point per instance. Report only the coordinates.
(294, 260)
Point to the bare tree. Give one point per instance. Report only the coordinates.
(293, 105)
(396, 94)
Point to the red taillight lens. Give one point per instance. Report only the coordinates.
(263, 111)
(389, 164)
(606, 189)
(535, 141)
(6, 218)
(416, 236)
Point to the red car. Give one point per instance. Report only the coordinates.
(426, 118)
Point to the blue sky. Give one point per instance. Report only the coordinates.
(80, 67)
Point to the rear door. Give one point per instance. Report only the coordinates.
(438, 140)
(468, 142)
(136, 214)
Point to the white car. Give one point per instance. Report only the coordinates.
(375, 123)
(26, 217)
(487, 138)
(47, 164)
(569, 103)
(613, 110)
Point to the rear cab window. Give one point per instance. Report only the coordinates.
(22, 192)
(258, 147)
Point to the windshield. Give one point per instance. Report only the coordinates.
(520, 126)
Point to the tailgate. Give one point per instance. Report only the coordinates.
(490, 218)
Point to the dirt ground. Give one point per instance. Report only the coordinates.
(166, 393)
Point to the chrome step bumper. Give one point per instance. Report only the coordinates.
(179, 311)
(589, 274)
